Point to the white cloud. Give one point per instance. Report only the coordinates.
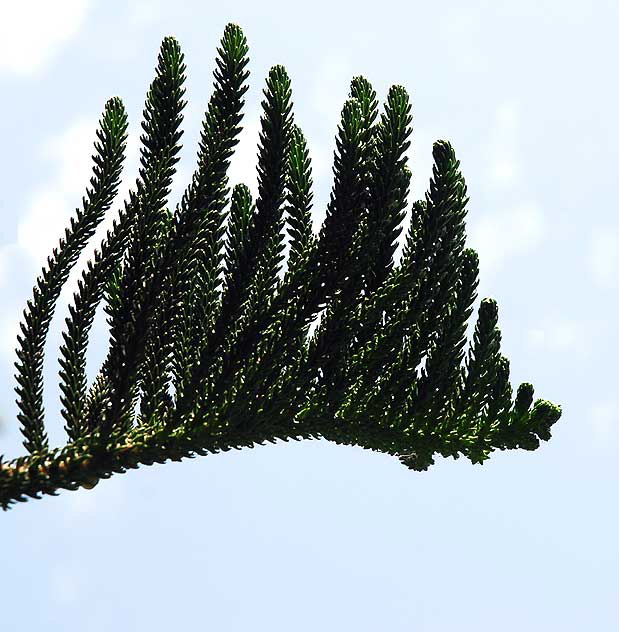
(32, 31)
(558, 334)
(460, 35)
(321, 160)
(604, 259)
(604, 418)
(331, 83)
(9, 328)
(518, 228)
(14, 262)
(245, 159)
(420, 160)
(51, 206)
(498, 236)
(72, 149)
(503, 167)
(40, 228)
(144, 12)
(4, 264)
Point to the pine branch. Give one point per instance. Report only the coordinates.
(40, 309)
(299, 201)
(155, 397)
(220, 366)
(129, 319)
(192, 261)
(237, 315)
(100, 279)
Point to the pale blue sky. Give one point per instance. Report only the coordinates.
(314, 536)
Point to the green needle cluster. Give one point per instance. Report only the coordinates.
(211, 344)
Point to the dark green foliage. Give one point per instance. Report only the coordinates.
(134, 304)
(210, 344)
(104, 184)
(199, 228)
(299, 200)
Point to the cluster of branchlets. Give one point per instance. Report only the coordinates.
(211, 343)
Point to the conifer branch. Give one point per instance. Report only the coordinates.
(38, 314)
(238, 322)
(192, 261)
(212, 347)
(299, 200)
(130, 316)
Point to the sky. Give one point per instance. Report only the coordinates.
(311, 535)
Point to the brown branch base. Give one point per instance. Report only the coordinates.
(82, 464)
